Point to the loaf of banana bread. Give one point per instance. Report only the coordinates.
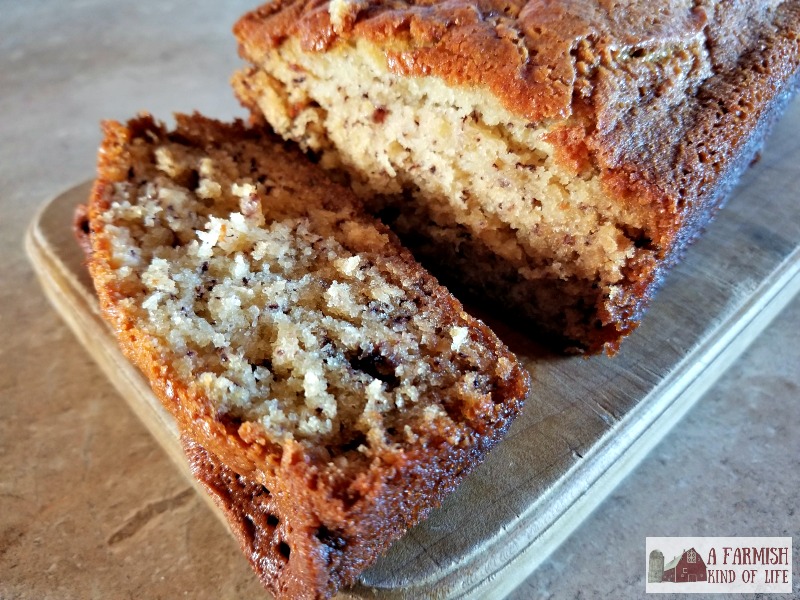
(329, 390)
(556, 156)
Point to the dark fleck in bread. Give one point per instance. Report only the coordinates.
(556, 155)
(333, 383)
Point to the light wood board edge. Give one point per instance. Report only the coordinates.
(711, 362)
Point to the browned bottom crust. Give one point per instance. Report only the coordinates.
(286, 554)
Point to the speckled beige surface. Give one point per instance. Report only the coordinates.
(90, 506)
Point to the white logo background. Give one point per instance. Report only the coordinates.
(723, 575)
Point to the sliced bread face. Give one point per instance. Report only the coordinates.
(298, 345)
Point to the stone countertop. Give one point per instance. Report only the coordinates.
(90, 506)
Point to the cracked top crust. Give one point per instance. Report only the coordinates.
(536, 49)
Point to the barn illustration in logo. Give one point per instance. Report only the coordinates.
(684, 568)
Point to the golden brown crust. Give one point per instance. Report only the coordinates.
(335, 519)
(667, 101)
(530, 46)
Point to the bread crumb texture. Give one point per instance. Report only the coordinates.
(555, 155)
(282, 305)
(480, 184)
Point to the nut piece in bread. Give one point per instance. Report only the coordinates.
(557, 156)
(311, 364)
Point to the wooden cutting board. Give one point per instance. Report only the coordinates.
(587, 423)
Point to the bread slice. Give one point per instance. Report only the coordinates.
(318, 372)
(557, 156)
